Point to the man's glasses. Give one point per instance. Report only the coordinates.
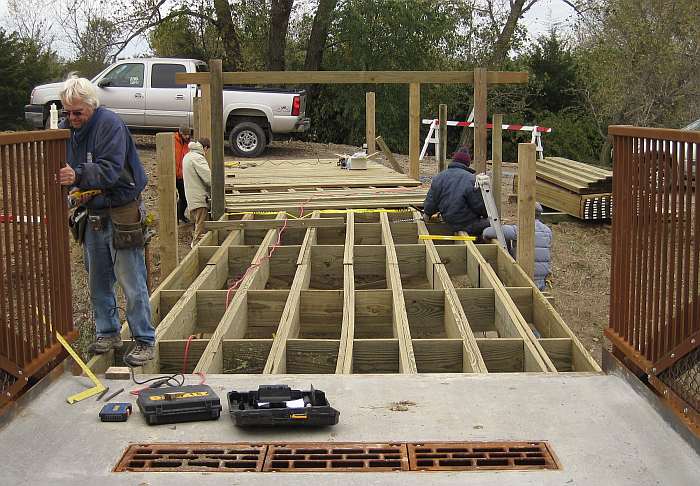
(68, 113)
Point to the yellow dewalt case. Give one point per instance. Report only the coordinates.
(169, 405)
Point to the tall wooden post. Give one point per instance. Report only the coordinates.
(480, 134)
(441, 154)
(414, 131)
(370, 122)
(526, 207)
(218, 201)
(497, 159)
(195, 117)
(205, 116)
(167, 225)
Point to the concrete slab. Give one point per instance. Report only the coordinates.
(602, 432)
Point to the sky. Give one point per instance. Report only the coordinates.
(539, 20)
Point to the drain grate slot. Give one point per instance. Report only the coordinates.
(336, 457)
(465, 456)
(192, 457)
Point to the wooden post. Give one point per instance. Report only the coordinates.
(370, 125)
(167, 226)
(205, 116)
(389, 156)
(195, 117)
(414, 131)
(218, 201)
(497, 159)
(441, 154)
(526, 207)
(480, 135)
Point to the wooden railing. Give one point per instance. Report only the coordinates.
(35, 285)
(655, 304)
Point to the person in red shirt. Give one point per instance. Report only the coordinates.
(182, 139)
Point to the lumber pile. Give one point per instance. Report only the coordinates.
(578, 189)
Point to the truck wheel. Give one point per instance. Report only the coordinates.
(247, 139)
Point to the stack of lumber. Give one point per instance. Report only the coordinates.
(578, 189)
(317, 184)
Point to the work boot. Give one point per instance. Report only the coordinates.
(140, 355)
(105, 344)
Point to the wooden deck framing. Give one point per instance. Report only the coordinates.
(355, 292)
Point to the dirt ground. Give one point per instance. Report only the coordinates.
(581, 251)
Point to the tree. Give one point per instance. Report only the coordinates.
(23, 65)
(319, 35)
(641, 61)
(280, 10)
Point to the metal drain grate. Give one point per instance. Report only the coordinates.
(465, 456)
(337, 457)
(201, 457)
(341, 457)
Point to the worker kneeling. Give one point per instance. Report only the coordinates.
(453, 194)
(543, 245)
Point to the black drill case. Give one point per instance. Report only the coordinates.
(179, 404)
(271, 405)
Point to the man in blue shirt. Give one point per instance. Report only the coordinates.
(102, 159)
(453, 195)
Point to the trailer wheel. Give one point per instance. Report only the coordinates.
(247, 139)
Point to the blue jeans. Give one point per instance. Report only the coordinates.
(105, 267)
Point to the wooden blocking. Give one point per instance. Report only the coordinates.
(426, 313)
(188, 270)
(375, 356)
(489, 252)
(326, 267)
(560, 351)
(313, 356)
(522, 296)
(367, 233)
(502, 355)
(239, 259)
(320, 314)
(373, 314)
(211, 305)
(404, 232)
(265, 309)
(479, 307)
(454, 258)
(330, 236)
(369, 265)
(245, 355)
(166, 299)
(118, 373)
(413, 267)
(283, 266)
(439, 355)
(171, 353)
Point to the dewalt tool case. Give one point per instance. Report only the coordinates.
(272, 405)
(179, 404)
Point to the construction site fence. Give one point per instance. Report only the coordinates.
(35, 288)
(655, 297)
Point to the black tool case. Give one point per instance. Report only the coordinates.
(269, 406)
(179, 404)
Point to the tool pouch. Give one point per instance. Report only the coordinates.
(77, 221)
(127, 226)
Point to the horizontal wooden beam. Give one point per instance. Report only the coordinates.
(356, 77)
(266, 224)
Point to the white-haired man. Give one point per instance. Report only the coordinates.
(102, 157)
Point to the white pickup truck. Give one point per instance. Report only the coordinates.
(143, 92)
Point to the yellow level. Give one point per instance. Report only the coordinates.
(446, 237)
(98, 388)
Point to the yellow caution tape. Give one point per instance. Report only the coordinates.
(446, 238)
